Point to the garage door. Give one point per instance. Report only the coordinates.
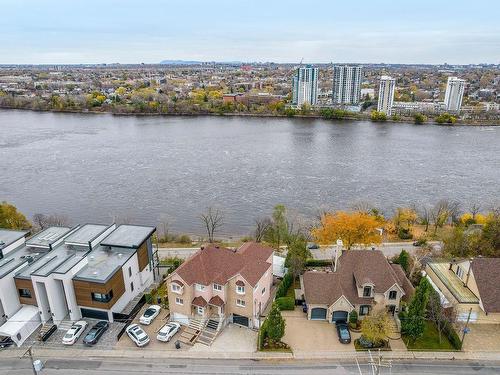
(181, 318)
(462, 317)
(318, 313)
(94, 314)
(339, 315)
(241, 320)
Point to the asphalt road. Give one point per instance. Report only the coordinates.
(114, 366)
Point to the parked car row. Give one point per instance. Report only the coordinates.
(141, 338)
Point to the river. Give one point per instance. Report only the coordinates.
(100, 168)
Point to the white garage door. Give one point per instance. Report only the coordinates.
(181, 318)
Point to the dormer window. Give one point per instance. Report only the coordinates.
(393, 294)
(176, 287)
(240, 287)
(460, 272)
(367, 291)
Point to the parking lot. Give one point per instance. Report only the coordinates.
(151, 330)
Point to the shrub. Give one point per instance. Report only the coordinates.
(276, 324)
(452, 335)
(149, 298)
(419, 118)
(285, 303)
(378, 116)
(184, 239)
(446, 118)
(262, 335)
(404, 234)
(353, 317)
(284, 285)
(318, 263)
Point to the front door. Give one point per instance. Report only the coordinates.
(391, 309)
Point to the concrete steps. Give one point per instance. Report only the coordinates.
(209, 333)
(192, 331)
(65, 325)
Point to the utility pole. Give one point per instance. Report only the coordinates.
(30, 354)
(466, 328)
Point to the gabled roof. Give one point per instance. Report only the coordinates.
(215, 264)
(355, 268)
(487, 276)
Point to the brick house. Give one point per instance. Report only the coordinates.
(363, 280)
(223, 284)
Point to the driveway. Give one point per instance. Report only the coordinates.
(482, 337)
(151, 330)
(232, 339)
(312, 335)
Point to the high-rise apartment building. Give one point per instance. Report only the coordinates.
(346, 84)
(386, 94)
(454, 93)
(305, 86)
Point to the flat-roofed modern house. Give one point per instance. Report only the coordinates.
(117, 270)
(10, 239)
(363, 281)
(68, 273)
(222, 285)
(470, 286)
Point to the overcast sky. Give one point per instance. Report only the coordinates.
(125, 31)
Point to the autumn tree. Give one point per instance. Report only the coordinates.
(11, 218)
(277, 233)
(376, 328)
(351, 227)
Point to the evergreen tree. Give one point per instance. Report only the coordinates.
(275, 324)
(413, 321)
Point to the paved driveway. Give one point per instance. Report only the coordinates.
(312, 335)
(482, 337)
(232, 339)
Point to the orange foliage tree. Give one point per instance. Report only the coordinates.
(351, 227)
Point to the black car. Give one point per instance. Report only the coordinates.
(95, 333)
(343, 332)
(5, 342)
(312, 246)
(304, 307)
(45, 333)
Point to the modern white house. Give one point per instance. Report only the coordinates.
(65, 273)
(10, 240)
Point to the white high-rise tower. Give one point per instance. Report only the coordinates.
(454, 93)
(305, 86)
(386, 94)
(346, 84)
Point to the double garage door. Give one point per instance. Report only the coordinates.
(94, 314)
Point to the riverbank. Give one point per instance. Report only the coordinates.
(362, 116)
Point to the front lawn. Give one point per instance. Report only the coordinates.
(430, 340)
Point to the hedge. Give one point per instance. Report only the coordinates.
(318, 263)
(284, 285)
(286, 303)
(452, 335)
(262, 335)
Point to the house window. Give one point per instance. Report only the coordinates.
(393, 294)
(217, 287)
(200, 288)
(364, 310)
(200, 310)
(240, 303)
(460, 272)
(179, 301)
(24, 293)
(102, 297)
(367, 291)
(132, 286)
(263, 290)
(240, 289)
(130, 272)
(176, 288)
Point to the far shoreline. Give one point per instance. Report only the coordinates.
(253, 115)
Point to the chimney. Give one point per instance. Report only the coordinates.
(338, 250)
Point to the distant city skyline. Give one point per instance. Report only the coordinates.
(383, 31)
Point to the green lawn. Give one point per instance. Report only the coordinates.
(430, 340)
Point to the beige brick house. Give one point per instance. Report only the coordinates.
(223, 284)
(471, 286)
(363, 280)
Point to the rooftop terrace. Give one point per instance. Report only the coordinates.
(84, 234)
(131, 236)
(18, 257)
(453, 283)
(47, 237)
(8, 236)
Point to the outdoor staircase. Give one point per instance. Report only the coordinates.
(45, 328)
(65, 325)
(192, 331)
(209, 332)
(394, 332)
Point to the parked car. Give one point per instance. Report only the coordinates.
(312, 246)
(137, 335)
(343, 332)
(74, 332)
(150, 314)
(168, 331)
(95, 333)
(5, 342)
(46, 332)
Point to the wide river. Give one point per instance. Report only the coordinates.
(100, 168)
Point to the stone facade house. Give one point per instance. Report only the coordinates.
(363, 281)
(222, 284)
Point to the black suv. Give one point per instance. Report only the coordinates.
(95, 333)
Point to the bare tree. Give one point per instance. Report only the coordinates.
(213, 221)
(424, 215)
(474, 208)
(43, 221)
(443, 211)
(438, 314)
(261, 227)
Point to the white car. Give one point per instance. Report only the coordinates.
(137, 335)
(74, 332)
(150, 314)
(168, 331)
